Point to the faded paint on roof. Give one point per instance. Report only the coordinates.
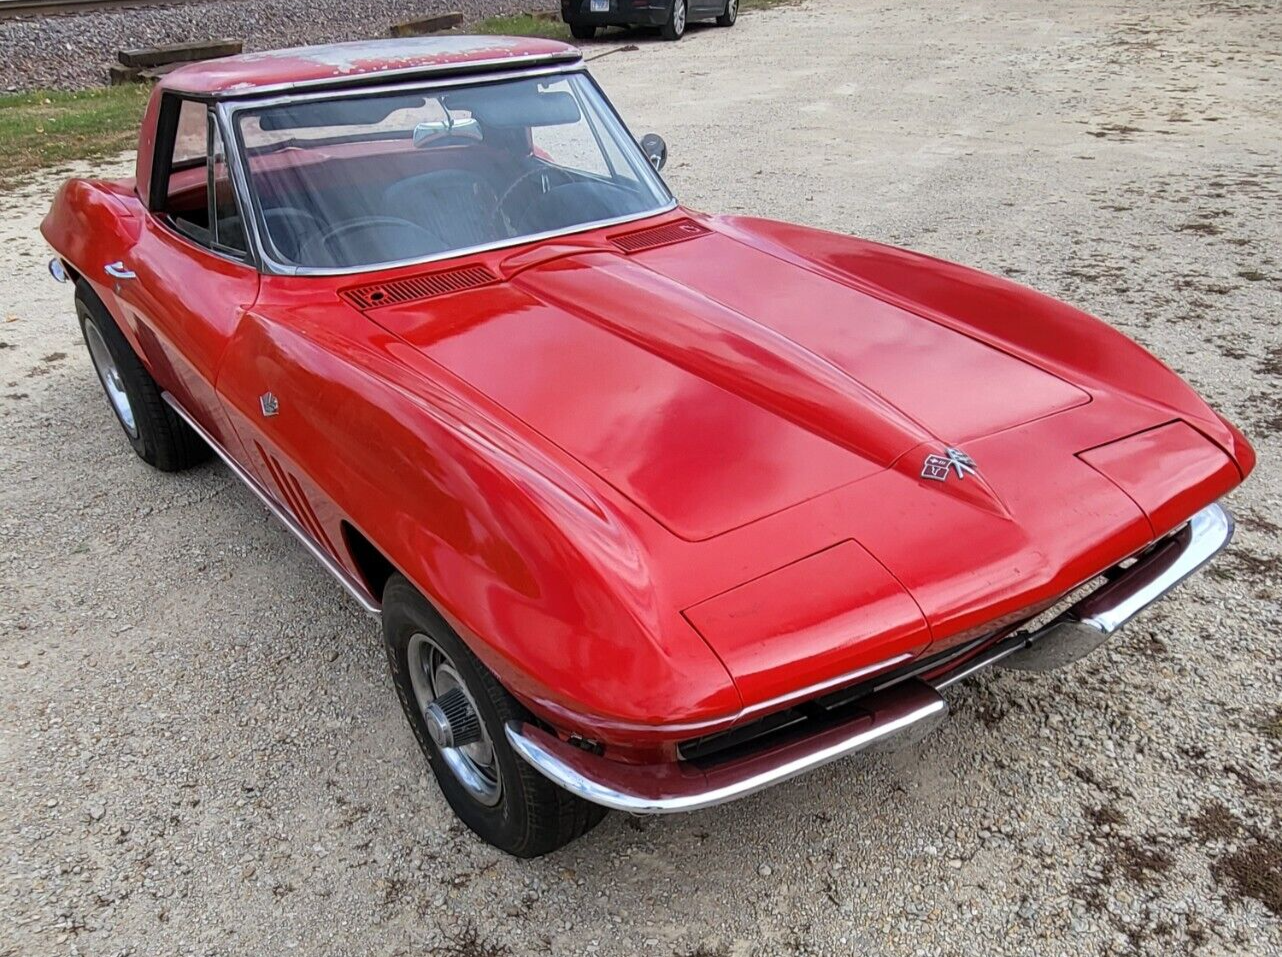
(339, 61)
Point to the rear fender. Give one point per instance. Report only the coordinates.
(92, 223)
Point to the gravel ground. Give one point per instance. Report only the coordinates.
(73, 52)
(201, 752)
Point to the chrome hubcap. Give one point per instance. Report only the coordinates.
(109, 373)
(732, 9)
(453, 720)
(679, 17)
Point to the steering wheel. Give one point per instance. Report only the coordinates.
(388, 237)
(501, 218)
(578, 202)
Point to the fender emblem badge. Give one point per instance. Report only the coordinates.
(937, 467)
(269, 404)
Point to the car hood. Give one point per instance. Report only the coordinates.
(714, 384)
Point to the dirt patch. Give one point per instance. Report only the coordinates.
(1214, 822)
(1254, 871)
(1271, 364)
(470, 942)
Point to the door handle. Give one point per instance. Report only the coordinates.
(117, 270)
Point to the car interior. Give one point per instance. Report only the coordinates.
(370, 180)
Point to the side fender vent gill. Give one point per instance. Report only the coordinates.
(294, 499)
(664, 235)
(423, 286)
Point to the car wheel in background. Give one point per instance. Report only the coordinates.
(458, 709)
(158, 435)
(730, 15)
(675, 27)
(582, 31)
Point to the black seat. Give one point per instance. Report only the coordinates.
(453, 203)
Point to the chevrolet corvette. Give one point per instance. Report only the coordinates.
(658, 508)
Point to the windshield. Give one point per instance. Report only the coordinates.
(392, 177)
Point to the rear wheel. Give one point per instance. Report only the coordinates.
(158, 435)
(457, 709)
(582, 31)
(675, 27)
(730, 15)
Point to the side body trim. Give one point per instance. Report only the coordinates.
(349, 582)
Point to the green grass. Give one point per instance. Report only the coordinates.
(522, 25)
(46, 129)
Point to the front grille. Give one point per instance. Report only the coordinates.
(811, 716)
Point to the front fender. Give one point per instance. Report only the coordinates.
(542, 575)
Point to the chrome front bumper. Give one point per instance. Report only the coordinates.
(906, 709)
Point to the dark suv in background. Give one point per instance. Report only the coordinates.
(670, 16)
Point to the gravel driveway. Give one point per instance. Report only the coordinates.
(200, 748)
(73, 52)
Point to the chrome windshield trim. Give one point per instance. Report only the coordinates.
(268, 265)
(353, 587)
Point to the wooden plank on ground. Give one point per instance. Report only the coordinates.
(425, 25)
(179, 53)
(118, 74)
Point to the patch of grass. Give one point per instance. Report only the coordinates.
(523, 25)
(43, 129)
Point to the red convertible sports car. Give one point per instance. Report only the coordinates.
(658, 508)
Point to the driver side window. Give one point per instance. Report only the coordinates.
(199, 199)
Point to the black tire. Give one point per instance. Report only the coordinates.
(532, 815)
(729, 15)
(582, 31)
(158, 435)
(674, 27)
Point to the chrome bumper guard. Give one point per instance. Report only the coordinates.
(911, 705)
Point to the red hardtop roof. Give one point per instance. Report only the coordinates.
(361, 61)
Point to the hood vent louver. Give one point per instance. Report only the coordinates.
(664, 235)
(423, 286)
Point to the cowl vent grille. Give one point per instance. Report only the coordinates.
(664, 235)
(423, 286)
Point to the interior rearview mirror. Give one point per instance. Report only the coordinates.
(655, 149)
(432, 130)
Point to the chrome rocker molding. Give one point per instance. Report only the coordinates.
(353, 586)
(907, 709)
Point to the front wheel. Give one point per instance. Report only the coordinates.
(582, 31)
(155, 431)
(457, 709)
(675, 26)
(731, 14)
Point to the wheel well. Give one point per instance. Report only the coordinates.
(371, 564)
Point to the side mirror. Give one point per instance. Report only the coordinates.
(655, 150)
